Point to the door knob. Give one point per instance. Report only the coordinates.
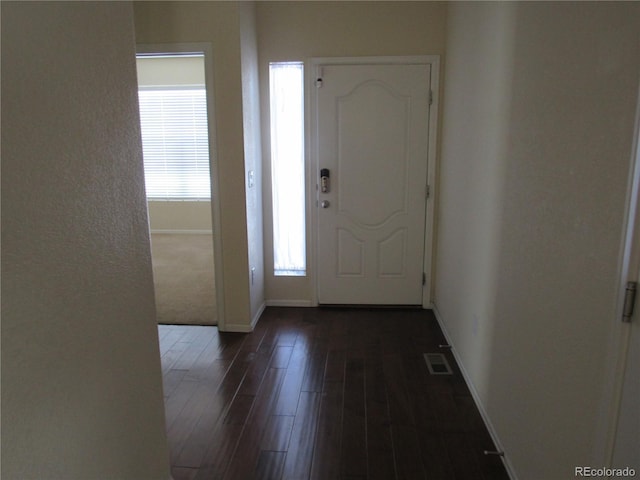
(325, 204)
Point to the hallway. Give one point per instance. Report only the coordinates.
(320, 394)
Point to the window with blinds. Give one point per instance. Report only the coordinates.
(173, 117)
(175, 142)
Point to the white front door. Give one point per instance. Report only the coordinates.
(372, 140)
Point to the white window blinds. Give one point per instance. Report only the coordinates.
(175, 142)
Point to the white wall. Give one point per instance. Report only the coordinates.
(217, 23)
(538, 126)
(81, 382)
(252, 155)
(180, 217)
(478, 83)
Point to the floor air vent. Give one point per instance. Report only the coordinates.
(437, 364)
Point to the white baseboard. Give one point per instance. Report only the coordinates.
(289, 303)
(476, 398)
(257, 316)
(182, 232)
(237, 328)
(244, 328)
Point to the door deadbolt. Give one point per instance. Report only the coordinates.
(324, 180)
(325, 204)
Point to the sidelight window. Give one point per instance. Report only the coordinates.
(287, 168)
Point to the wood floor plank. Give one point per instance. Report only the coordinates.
(380, 455)
(245, 457)
(278, 433)
(171, 380)
(181, 473)
(462, 456)
(208, 367)
(399, 400)
(172, 355)
(408, 456)
(381, 465)
(314, 375)
(202, 338)
(221, 448)
(353, 420)
(270, 466)
(174, 405)
(173, 334)
(230, 344)
(238, 411)
(258, 336)
(257, 370)
(434, 456)
(290, 393)
(206, 412)
(425, 416)
(301, 447)
(189, 434)
(281, 356)
(226, 438)
(328, 444)
(163, 331)
(322, 394)
(334, 368)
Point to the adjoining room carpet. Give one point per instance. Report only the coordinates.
(183, 277)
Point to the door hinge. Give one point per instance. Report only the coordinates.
(430, 97)
(428, 192)
(629, 301)
(424, 278)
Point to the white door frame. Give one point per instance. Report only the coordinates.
(311, 73)
(621, 332)
(207, 49)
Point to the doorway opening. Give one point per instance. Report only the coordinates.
(180, 178)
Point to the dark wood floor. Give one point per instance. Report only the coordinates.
(320, 394)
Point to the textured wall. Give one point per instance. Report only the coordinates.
(538, 128)
(217, 23)
(252, 154)
(81, 385)
(478, 85)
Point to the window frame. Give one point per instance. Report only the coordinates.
(175, 135)
(288, 262)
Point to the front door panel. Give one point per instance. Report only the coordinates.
(373, 139)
